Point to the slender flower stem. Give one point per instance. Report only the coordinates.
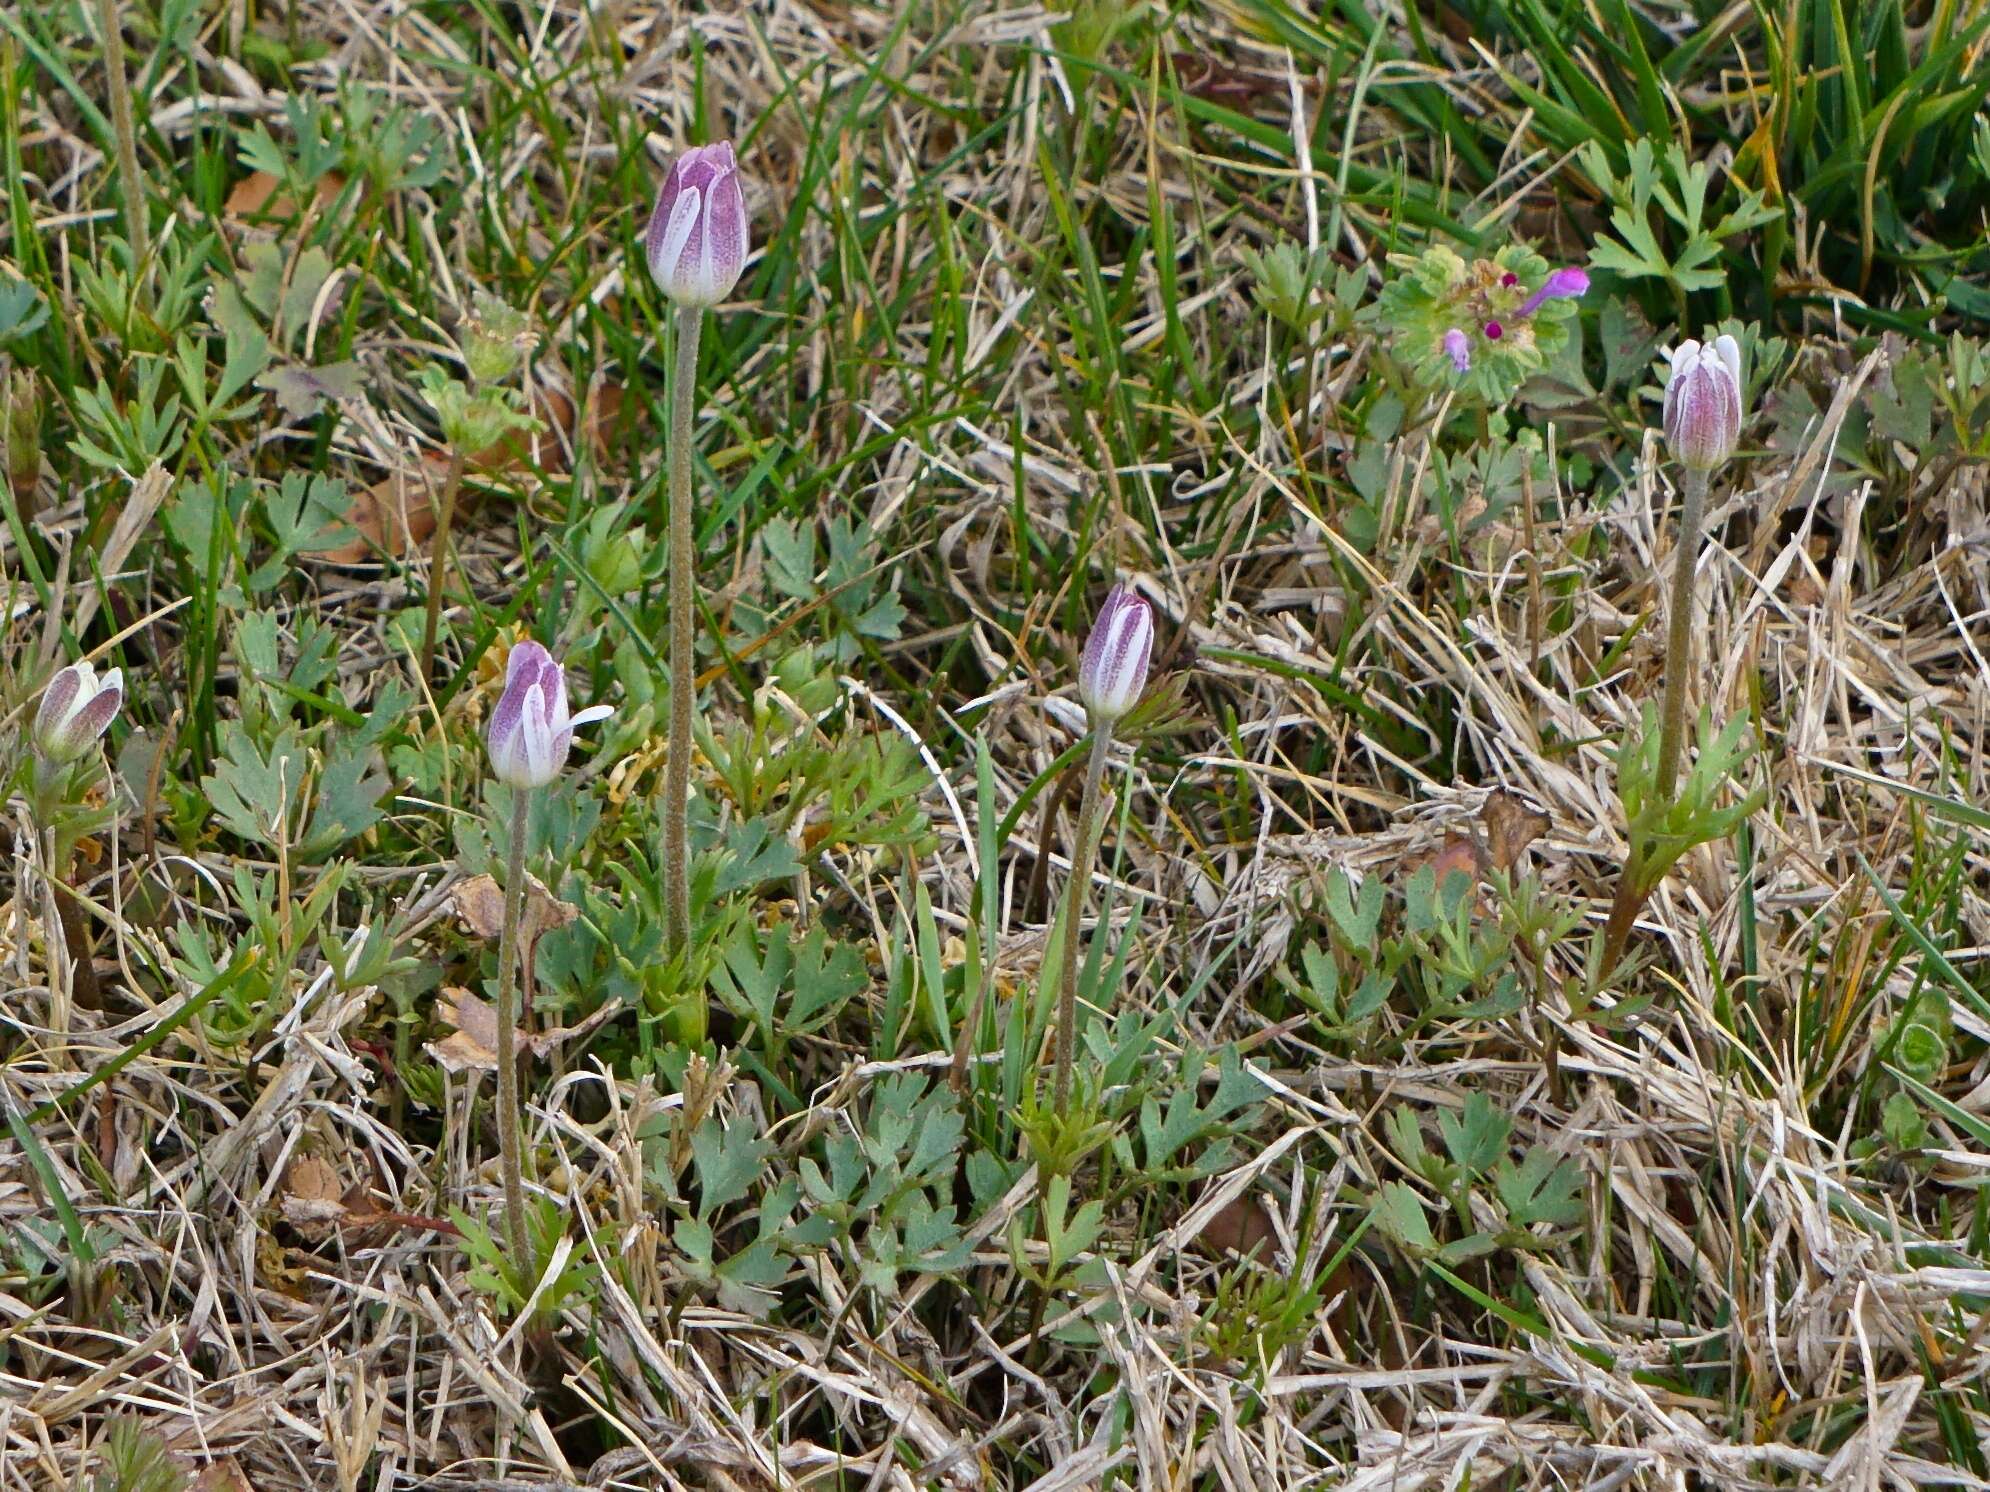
(683, 678)
(509, 1128)
(1678, 638)
(131, 183)
(438, 558)
(1074, 911)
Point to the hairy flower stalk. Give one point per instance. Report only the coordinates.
(1702, 427)
(530, 735)
(696, 248)
(1111, 675)
(131, 185)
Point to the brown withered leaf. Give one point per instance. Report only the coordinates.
(256, 196)
(472, 1046)
(223, 1474)
(1511, 825)
(1495, 845)
(1243, 1226)
(313, 1196)
(394, 517)
(479, 903)
(1458, 853)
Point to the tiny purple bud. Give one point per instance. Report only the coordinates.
(530, 731)
(1703, 402)
(1494, 331)
(696, 241)
(1509, 280)
(1563, 284)
(1113, 670)
(1458, 347)
(76, 708)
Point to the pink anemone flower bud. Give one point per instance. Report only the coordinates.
(76, 708)
(1113, 670)
(1703, 402)
(696, 241)
(531, 731)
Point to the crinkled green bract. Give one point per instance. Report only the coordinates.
(1437, 292)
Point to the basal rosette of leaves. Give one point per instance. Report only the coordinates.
(1438, 292)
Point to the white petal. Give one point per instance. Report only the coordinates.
(683, 218)
(1729, 352)
(591, 714)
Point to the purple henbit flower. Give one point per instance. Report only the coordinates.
(76, 708)
(1113, 670)
(531, 731)
(1493, 330)
(1703, 402)
(1458, 347)
(696, 241)
(1563, 284)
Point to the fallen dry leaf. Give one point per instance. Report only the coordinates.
(394, 517)
(479, 904)
(1506, 827)
(1458, 853)
(472, 1046)
(1243, 1225)
(222, 1475)
(1511, 825)
(255, 196)
(313, 1196)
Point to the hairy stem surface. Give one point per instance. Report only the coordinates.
(1074, 911)
(683, 670)
(1679, 629)
(509, 1127)
(131, 184)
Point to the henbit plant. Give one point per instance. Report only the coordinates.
(1483, 327)
(1111, 675)
(76, 708)
(530, 735)
(475, 416)
(696, 247)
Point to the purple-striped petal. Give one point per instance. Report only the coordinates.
(1113, 669)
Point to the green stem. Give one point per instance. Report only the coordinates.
(510, 1137)
(683, 676)
(129, 180)
(1679, 628)
(438, 558)
(1074, 911)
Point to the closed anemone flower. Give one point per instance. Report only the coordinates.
(1113, 670)
(696, 240)
(531, 731)
(1703, 402)
(76, 708)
